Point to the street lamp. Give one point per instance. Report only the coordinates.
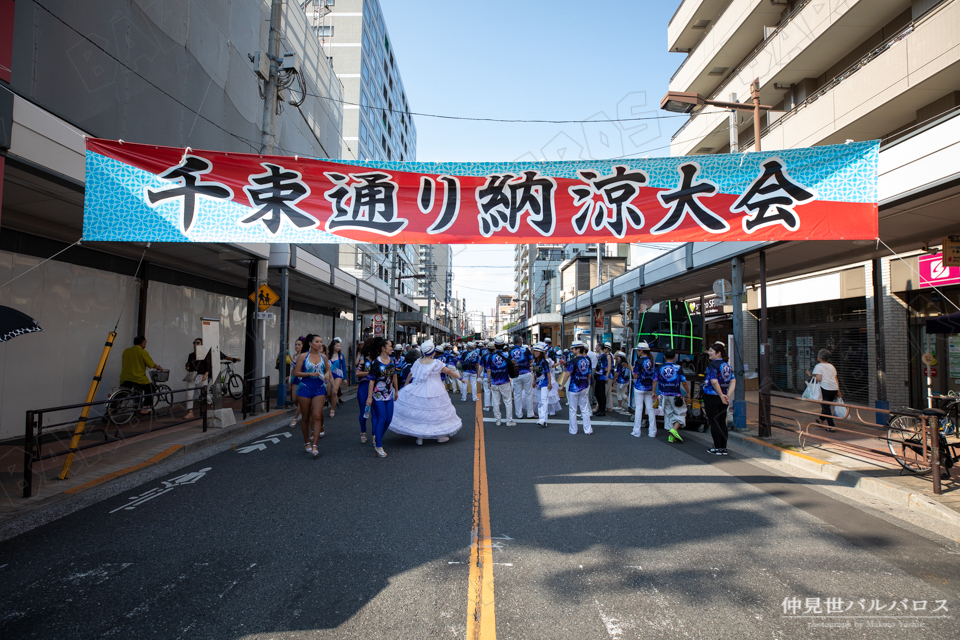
(680, 102)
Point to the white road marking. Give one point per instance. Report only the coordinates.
(614, 630)
(168, 485)
(260, 445)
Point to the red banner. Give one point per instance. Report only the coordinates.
(824, 193)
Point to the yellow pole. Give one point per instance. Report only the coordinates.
(94, 385)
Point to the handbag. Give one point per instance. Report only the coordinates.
(840, 412)
(812, 392)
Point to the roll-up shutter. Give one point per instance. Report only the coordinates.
(799, 332)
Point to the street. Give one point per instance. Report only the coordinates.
(602, 536)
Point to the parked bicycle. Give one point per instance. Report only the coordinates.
(905, 438)
(125, 403)
(231, 383)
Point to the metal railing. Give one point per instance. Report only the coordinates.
(256, 393)
(34, 440)
(926, 426)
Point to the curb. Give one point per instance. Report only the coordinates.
(853, 479)
(62, 500)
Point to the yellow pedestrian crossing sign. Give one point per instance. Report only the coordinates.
(264, 297)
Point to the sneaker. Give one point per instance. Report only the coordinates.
(723, 452)
(442, 439)
(419, 440)
(635, 434)
(542, 425)
(715, 451)
(510, 423)
(498, 423)
(589, 433)
(675, 435)
(652, 434)
(669, 438)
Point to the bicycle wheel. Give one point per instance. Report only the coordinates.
(163, 403)
(235, 386)
(905, 440)
(124, 404)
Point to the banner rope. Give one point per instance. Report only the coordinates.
(39, 264)
(897, 255)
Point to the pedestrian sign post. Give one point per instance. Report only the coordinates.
(265, 297)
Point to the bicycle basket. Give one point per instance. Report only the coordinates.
(160, 376)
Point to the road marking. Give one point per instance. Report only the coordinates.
(614, 630)
(260, 445)
(481, 619)
(122, 472)
(168, 485)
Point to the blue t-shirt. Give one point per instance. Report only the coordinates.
(721, 372)
(623, 373)
(603, 366)
(522, 356)
(669, 379)
(643, 373)
(470, 360)
(579, 369)
(541, 370)
(497, 363)
(382, 376)
(402, 372)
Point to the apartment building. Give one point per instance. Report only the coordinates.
(834, 71)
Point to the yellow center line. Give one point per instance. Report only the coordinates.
(481, 618)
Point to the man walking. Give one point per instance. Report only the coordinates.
(499, 375)
(484, 363)
(671, 386)
(578, 373)
(470, 360)
(523, 383)
(644, 372)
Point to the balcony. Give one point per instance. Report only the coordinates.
(690, 22)
(807, 43)
(882, 91)
(733, 36)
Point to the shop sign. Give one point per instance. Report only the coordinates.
(598, 319)
(934, 273)
(148, 193)
(951, 251)
(711, 307)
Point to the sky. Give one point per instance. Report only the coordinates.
(531, 59)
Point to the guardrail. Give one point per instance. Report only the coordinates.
(256, 392)
(34, 429)
(917, 432)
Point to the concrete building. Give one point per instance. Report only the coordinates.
(859, 70)
(144, 72)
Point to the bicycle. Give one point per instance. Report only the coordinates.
(125, 403)
(230, 382)
(906, 442)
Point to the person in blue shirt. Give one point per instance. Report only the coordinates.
(622, 381)
(468, 363)
(719, 385)
(671, 386)
(579, 371)
(500, 388)
(382, 386)
(603, 373)
(523, 383)
(338, 369)
(644, 371)
(484, 359)
(362, 368)
(543, 382)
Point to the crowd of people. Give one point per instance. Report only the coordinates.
(407, 388)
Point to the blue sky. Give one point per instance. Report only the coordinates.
(531, 59)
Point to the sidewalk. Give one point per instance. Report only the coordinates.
(104, 464)
(875, 474)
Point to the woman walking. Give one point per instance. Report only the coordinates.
(543, 383)
(314, 371)
(826, 374)
(423, 409)
(622, 381)
(644, 371)
(718, 386)
(382, 385)
(363, 365)
(338, 368)
(294, 380)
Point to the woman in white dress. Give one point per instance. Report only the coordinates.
(423, 408)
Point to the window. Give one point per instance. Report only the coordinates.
(324, 30)
(364, 74)
(363, 132)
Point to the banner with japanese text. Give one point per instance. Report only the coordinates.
(146, 193)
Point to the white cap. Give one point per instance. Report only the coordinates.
(499, 340)
(539, 347)
(427, 348)
(643, 345)
(577, 343)
(337, 340)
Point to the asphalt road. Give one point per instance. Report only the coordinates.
(602, 536)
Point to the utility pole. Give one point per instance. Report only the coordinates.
(395, 288)
(599, 263)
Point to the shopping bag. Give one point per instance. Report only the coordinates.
(812, 392)
(840, 412)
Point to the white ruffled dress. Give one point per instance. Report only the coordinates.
(423, 408)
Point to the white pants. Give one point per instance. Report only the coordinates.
(487, 394)
(580, 399)
(505, 393)
(543, 412)
(644, 403)
(523, 394)
(197, 381)
(623, 393)
(469, 380)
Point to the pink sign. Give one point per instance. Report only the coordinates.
(934, 274)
